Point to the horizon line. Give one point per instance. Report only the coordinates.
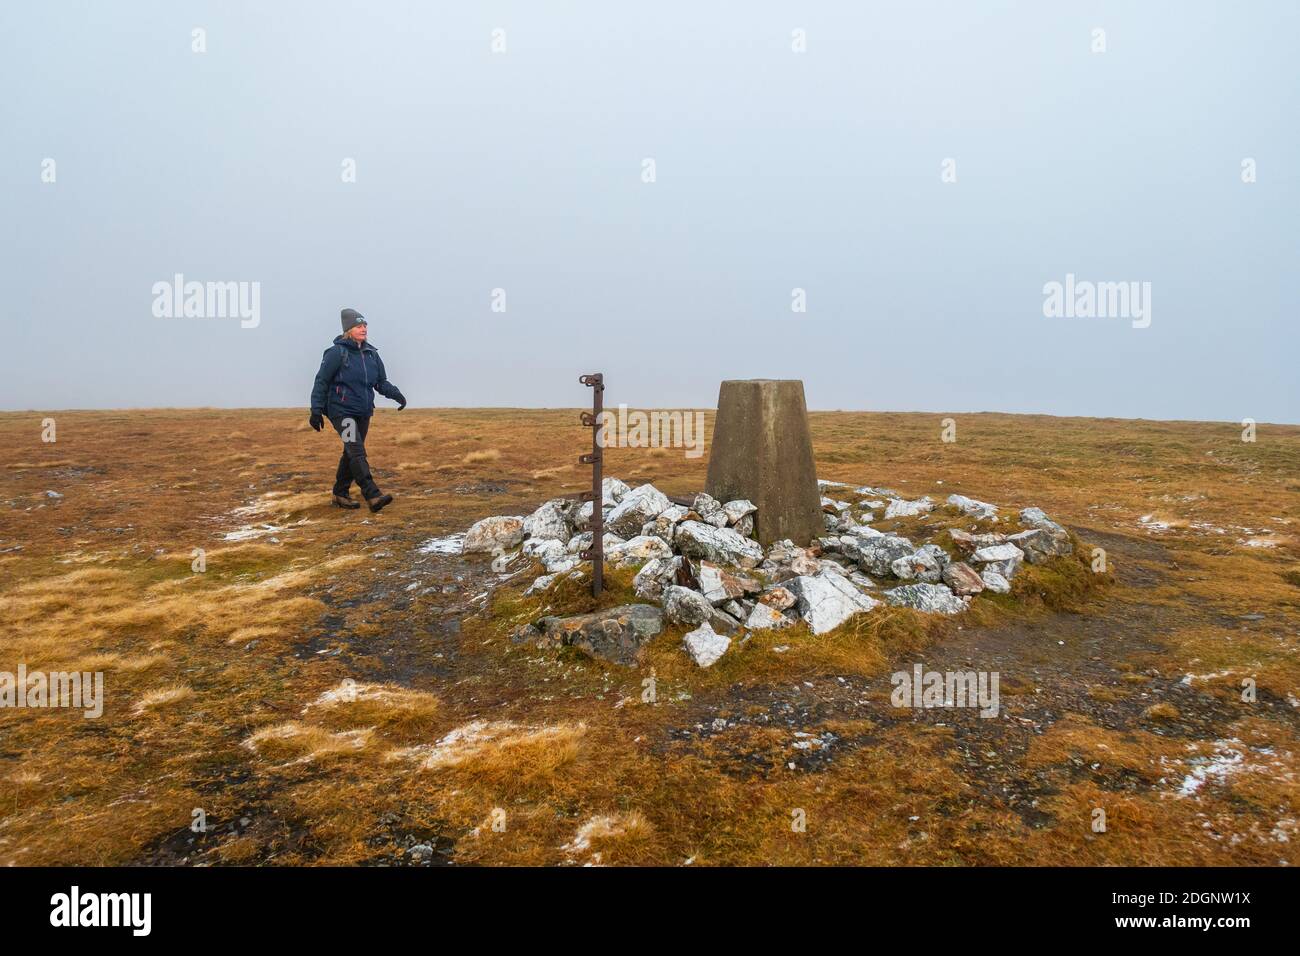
(562, 408)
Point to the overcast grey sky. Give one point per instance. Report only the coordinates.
(774, 170)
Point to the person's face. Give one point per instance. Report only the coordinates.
(358, 333)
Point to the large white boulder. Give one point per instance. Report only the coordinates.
(641, 504)
(550, 521)
(876, 555)
(976, 509)
(695, 539)
(498, 533)
(827, 600)
(898, 508)
(705, 646)
(638, 550)
(612, 492)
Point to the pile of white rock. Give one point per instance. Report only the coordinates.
(703, 567)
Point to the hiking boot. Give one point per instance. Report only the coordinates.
(343, 501)
(378, 504)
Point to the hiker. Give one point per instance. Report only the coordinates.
(349, 369)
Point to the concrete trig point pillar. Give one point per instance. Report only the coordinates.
(762, 450)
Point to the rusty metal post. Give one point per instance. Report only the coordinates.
(596, 553)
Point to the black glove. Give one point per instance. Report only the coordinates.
(401, 401)
(316, 420)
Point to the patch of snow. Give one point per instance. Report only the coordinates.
(449, 544)
(1191, 679)
(1226, 760)
(1152, 525)
(249, 532)
(595, 827)
(477, 737)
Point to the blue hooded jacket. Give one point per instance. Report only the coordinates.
(347, 375)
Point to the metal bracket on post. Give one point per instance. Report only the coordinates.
(596, 553)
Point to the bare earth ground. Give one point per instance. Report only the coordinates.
(1124, 693)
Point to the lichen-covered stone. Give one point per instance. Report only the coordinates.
(617, 635)
(930, 598)
(876, 555)
(686, 607)
(656, 575)
(1042, 544)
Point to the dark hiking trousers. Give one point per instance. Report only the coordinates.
(353, 465)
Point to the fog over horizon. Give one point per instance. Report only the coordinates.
(828, 170)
